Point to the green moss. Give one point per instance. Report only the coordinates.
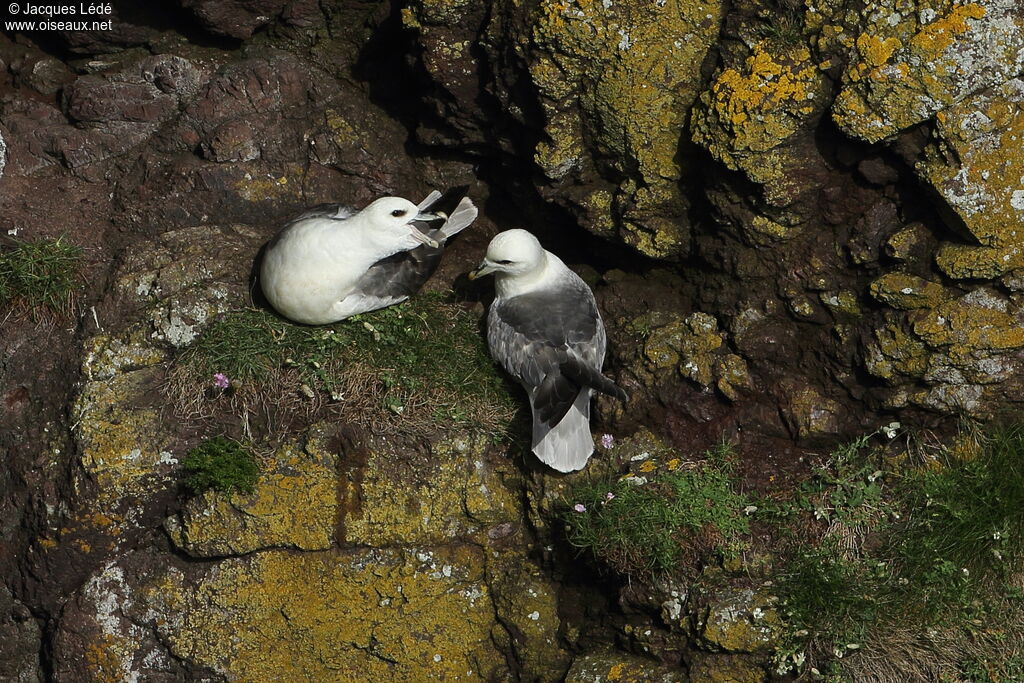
(220, 464)
(641, 527)
(40, 275)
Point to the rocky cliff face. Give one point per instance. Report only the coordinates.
(802, 220)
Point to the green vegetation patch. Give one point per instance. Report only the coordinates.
(927, 564)
(664, 521)
(40, 276)
(417, 366)
(220, 464)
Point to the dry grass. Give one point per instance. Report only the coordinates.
(415, 369)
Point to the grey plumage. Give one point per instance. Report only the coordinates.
(401, 275)
(545, 330)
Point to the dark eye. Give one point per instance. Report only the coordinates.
(504, 262)
(398, 213)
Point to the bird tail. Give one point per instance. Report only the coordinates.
(568, 445)
(464, 214)
(587, 376)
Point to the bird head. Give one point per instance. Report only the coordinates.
(512, 252)
(394, 216)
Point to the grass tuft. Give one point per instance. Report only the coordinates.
(640, 528)
(417, 367)
(220, 464)
(40, 276)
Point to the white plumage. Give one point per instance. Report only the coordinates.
(333, 262)
(545, 330)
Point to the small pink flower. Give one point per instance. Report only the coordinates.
(579, 507)
(607, 441)
(609, 496)
(221, 381)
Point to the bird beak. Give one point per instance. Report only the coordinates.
(481, 270)
(422, 238)
(422, 216)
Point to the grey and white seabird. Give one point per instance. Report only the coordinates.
(333, 262)
(545, 330)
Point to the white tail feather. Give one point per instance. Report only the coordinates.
(568, 445)
(464, 214)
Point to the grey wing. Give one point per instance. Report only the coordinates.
(401, 275)
(464, 214)
(552, 342)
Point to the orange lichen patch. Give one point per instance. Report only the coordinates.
(764, 83)
(876, 50)
(911, 69)
(938, 36)
(752, 113)
(102, 660)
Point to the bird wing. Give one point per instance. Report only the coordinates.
(464, 214)
(428, 200)
(554, 343)
(401, 275)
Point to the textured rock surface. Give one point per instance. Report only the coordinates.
(294, 506)
(400, 615)
(802, 220)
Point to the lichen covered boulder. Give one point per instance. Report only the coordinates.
(912, 62)
(293, 506)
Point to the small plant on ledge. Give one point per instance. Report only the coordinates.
(221, 464)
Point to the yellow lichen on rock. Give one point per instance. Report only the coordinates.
(526, 602)
(616, 666)
(293, 505)
(754, 109)
(622, 75)
(938, 36)
(758, 117)
(965, 328)
(958, 352)
(122, 446)
(271, 186)
(727, 669)
(983, 186)
(894, 352)
(809, 412)
(363, 615)
(911, 63)
(105, 356)
(405, 497)
(905, 291)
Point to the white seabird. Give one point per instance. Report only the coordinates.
(333, 262)
(545, 330)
